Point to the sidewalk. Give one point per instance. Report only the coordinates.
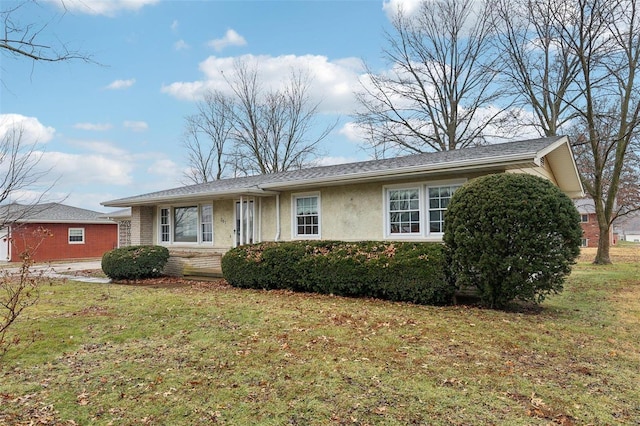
(62, 270)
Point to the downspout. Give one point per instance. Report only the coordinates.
(277, 238)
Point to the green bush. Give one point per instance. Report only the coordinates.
(410, 272)
(513, 236)
(135, 262)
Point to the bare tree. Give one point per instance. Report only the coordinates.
(538, 66)
(207, 135)
(585, 81)
(19, 169)
(439, 93)
(255, 129)
(273, 127)
(23, 40)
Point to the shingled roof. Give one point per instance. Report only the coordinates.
(526, 153)
(49, 213)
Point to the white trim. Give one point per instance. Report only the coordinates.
(294, 215)
(82, 230)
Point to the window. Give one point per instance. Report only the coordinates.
(584, 218)
(186, 224)
(584, 242)
(206, 223)
(306, 216)
(165, 226)
(404, 211)
(417, 211)
(76, 235)
(439, 198)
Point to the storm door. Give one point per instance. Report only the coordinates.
(245, 224)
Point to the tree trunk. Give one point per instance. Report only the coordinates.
(604, 244)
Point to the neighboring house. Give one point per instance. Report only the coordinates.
(54, 232)
(589, 223)
(123, 218)
(629, 228)
(402, 198)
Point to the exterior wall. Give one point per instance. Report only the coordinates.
(634, 238)
(202, 259)
(54, 243)
(591, 232)
(142, 225)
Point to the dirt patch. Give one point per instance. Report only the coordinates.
(619, 254)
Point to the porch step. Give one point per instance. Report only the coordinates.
(190, 272)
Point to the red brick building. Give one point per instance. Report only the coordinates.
(589, 223)
(54, 231)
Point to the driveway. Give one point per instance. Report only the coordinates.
(63, 270)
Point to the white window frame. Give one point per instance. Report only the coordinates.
(82, 232)
(423, 187)
(429, 186)
(403, 235)
(171, 224)
(584, 218)
(294, 216)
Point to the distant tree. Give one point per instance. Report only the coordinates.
(207, 137)
(273, 127)
(439, 93)
(253, 129)
(575, 63)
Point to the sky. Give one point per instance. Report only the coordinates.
(114, 127)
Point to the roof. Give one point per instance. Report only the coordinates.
(585, 205)
(118, 214)
(497, 157)
(49, 213)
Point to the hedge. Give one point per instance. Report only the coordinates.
(135, 262)
(397, 271)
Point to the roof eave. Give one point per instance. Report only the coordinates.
(128, 202)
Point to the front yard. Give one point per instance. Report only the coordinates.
(212, 354)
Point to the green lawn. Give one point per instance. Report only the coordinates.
(211, 354)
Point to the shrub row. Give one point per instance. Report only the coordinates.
(397, 271)
(135, 262)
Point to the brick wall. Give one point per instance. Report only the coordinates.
(54, 244)
(141, 225)
(591, 232)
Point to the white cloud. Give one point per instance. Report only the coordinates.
(332, 82)
(121, 84)
(231, 38)
(330, 161)
(102, 7)
(29, 129)
(352, 132)
(136, 126)
(72, 170)
(174, 25)
(408, 7)
(99, 147)
(181, 45)
(98, 127)
(166, 168)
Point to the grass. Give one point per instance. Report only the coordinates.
(211, 354)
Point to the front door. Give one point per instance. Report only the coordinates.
(245, 230)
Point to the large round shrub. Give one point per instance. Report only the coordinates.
(513, 236)
(135, 262)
